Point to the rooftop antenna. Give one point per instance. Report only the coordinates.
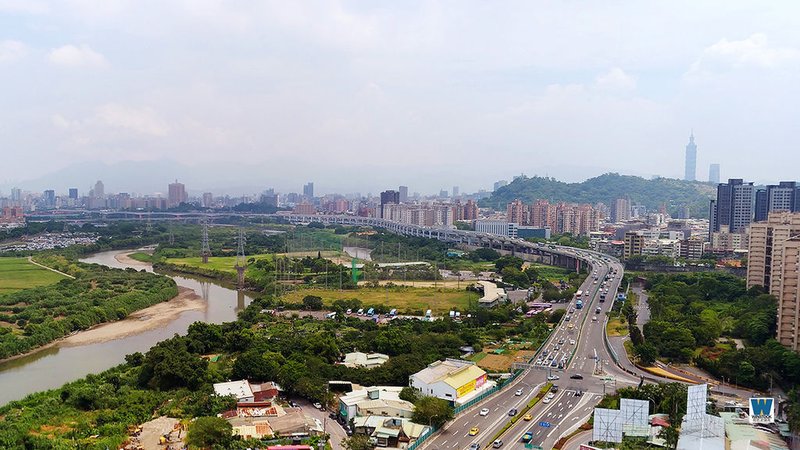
(241, 261)
(205, 250)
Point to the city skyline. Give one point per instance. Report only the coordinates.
(313, 92)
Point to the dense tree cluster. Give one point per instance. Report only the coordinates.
(606, 188)
(301, 354)
(98, 294)
(689, 311)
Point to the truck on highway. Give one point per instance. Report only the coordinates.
(579, 304)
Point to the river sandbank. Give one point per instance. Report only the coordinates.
(124, 258)
(140, 321)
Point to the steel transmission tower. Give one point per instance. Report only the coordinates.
(205, 250)
(241, 260)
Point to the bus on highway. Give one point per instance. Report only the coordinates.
(578, 294)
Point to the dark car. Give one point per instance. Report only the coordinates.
(512, 412)
(577, 376)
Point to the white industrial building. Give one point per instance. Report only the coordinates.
(453, 380)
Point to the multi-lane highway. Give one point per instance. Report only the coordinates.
(574, 352)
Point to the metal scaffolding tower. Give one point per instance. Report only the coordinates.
(241, 260)
(205, 250)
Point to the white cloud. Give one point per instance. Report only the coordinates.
(752, 52)
(12, 50)
(72, 56)
(141, 120)
(616, 79)
(24, 6)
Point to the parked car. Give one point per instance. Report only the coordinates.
(552, 377)
(577, 376)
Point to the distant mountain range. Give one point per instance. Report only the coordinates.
(675, 194)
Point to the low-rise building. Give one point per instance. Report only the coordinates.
(492, 295)
(453, 380)
(389, 432)
(497, 227)
(240, 390)
(376, 400)
(365, 360)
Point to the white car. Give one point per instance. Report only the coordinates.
(545, 400)
(518, 393)
(484, 412)
(572, 342)
(552, 377)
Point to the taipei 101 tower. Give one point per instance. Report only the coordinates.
(691, 160)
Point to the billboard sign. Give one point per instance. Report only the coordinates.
(762, 410)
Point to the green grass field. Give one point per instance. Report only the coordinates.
(404, 298)
(17, 274)
(226, 263)
(551, 273)
(221, 263)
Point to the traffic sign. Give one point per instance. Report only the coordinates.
(544, 424)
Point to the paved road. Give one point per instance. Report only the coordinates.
(588, 357)
(642, 308)
(574, 343)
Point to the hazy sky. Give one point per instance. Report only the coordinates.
(367, 95)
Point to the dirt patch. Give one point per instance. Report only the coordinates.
(150, 434)
(497, 363)
(140, 321)
(525, 355)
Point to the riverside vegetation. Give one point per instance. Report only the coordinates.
(173, 378)
(37, 316)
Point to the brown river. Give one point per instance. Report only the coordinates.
(52, 367)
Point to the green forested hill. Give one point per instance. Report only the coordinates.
(607, 188)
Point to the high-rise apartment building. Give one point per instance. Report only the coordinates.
(517, 212)
(73, 193)
(99, 190)
(403, 194)
(456, 190)
(208, 199)
(713, 173)
(732, 211)
(784, 196)
(49, 198)
(387, 197)
(308, 190)
(774, 263)
(621, 210)
(176, 194)
(470, 210)
(691, 160)
(634, 244)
